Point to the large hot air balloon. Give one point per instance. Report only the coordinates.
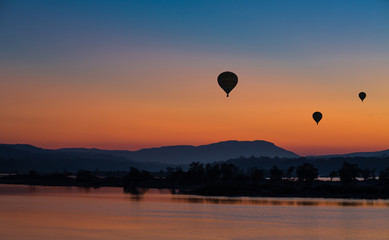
(317, 117)
(227, 81)
(362, 95)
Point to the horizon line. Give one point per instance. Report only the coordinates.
(188, 145)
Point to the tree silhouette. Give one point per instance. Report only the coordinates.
(257, 175)
(275, 174)
(333, 174)
(33, 174)
(195, 173)
(228, 172)
(84, 175)
(366, 174)
(290, 171)
(384, 175)
(212, 173)
(349, 172)
(174, 176)
(307, 172)
(86, 178)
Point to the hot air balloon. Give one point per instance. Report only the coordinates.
(227, 81)
(317, 117)
(362, 95)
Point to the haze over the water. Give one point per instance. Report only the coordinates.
(136, 74)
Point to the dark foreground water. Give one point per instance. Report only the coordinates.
(75, 213)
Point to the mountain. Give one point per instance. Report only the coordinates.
(23, 158)
(211, 153)
(243, 154)
(186, 154)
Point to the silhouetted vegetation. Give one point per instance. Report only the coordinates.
(136, 180)
(257, 175)
(275, 174)
(226, 179)
(349, 172)
(333, 174)
(384, 176)
(307, 173)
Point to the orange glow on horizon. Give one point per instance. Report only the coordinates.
(186, 107)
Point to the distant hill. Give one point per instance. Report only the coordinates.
(22, 158)
(244, 154)
(185, 154)
(379, 154)
(211, 153)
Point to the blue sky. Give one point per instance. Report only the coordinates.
(132, 74)
(264, 29)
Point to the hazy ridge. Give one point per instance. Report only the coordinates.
(244, 154)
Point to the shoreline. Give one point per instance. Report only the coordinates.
(199, 192)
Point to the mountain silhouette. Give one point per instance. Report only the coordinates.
(185, 154)
(378, 154)
(22, 157)
(220, 151)
(244, 154)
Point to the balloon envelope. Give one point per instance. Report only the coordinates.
(227, 81)
(317, 117)
(362, 95)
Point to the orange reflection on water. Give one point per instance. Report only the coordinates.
(107, 213)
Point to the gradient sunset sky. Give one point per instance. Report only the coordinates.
(135, 74)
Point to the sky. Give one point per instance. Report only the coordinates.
(139, 74)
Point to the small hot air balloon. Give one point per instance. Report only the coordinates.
(317, 117)
(362, 95)
(227, 81)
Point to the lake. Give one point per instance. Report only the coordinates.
(37, 212)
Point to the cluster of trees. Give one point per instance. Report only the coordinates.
(199, 173)
(350, 172)
(226, 179)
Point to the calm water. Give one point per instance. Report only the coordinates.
(108, 213)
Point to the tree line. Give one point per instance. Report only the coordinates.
(226, 179)
(199, 173)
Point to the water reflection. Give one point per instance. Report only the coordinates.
(165, 195)
(135, 196)
(281, 201)
(64, 213)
